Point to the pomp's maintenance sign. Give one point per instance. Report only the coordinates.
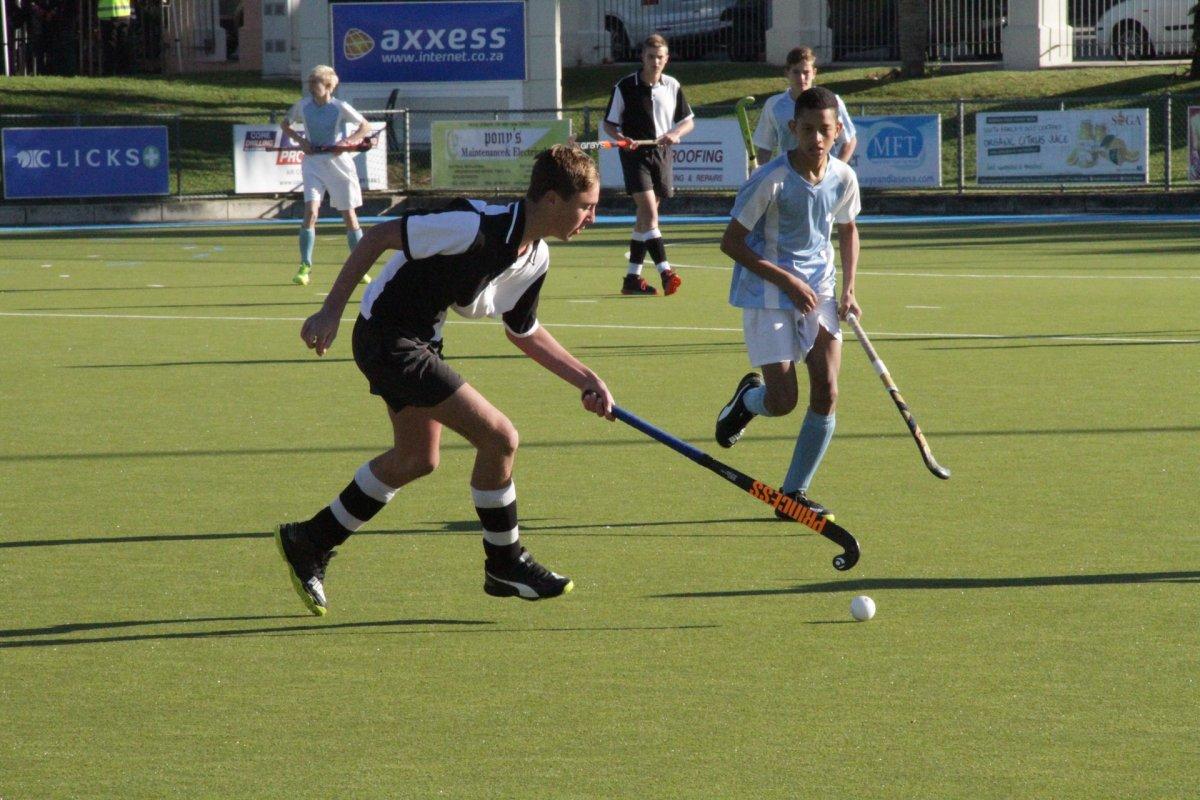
(85, 162)
(491, 155)
(428, 42)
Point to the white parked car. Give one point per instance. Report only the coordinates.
(685, 23)
(1146, 28)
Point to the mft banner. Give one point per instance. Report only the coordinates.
(491, 155)
(428, 42)
(712, 156)
(260, 167)
(1080, 146)
(85, 162)
(898, 151)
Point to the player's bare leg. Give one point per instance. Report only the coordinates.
(824, 362)
(646, 226)
(645, 219)
(354, 235)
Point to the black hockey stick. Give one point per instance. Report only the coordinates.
(922, 445)
(756, 489)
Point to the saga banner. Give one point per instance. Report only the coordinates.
(85, 162)
(491, 155)
(712, 156)
(903, 150)
(1080, 146)
(471, 40)
(260, 167)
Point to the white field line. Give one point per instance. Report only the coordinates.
(979, 276)
(604, 326)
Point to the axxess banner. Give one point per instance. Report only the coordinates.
(428, 42)
(1089, 146)
(893, 151)
(85, 162)
(260, 169)
(712, 156)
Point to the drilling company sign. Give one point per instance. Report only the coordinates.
(85, 162)
(428, 42)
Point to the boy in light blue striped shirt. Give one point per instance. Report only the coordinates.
(780, 238)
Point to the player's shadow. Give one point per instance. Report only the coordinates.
(15, 638)
(878, 584)
(247, 362)
(140, 288)
(217, 305)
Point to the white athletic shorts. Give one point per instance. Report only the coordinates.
(334, 174)
(775, 335)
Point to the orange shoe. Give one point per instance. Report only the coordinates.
(636, 284)
(670, 281)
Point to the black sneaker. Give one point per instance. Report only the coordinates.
(522, 577)
(734, 417)
(636, 284)
(788, 504)
(306, 565)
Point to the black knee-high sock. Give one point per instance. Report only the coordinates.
(637, 252)
(497, 510)
(657, 249)
(362, 499)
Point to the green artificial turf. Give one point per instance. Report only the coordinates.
(1036, 631)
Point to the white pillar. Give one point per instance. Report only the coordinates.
(543, 54)
(1037, 35)
(795, 23)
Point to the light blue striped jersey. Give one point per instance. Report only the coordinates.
(323, 124)
(772, 132)
(791, 224)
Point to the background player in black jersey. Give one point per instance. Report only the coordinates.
(648, 105)
(479, 260)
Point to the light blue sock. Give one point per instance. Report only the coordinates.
(353, 238)
(756, 400)
(308, 238)
(811, 445)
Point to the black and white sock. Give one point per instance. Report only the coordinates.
(657, 248)
(637, 252)
(497, 510)
(363, 498)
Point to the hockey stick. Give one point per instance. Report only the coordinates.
(747, 137)
(927, 456)
(756, 489)
(623, 144)
(362, 146)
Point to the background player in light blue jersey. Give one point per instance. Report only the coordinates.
(772, 136)
(784, 281)
(323, 117)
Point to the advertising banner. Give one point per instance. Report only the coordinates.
(712, 156)
(1082, 146)
(85, 162)
(1194, 143)
(898, 151)
(258, 168)
(487, 155)
(473, 40)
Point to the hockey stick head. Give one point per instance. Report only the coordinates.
(830, 530)
(745, 102)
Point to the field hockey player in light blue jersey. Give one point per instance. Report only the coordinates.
(772, 135)
(780, 238)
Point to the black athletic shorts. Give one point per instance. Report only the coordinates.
(647, 168)
(401, 370)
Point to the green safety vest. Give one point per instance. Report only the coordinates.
(112, 9)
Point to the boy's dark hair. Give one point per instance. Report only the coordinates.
(565, 170)
(818, 98)
(798, 55)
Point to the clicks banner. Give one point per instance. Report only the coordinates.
(85, 162)
(260, 167)
(1083, 146)
(428, 42)
(898, 151)
(491, 155)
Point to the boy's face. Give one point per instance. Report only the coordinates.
(575, 213)
(654, 60)
(800, 76)
(319, 89)
(815, 130)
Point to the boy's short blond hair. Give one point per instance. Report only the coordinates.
(325, 75)
(567, 171)
(655, 40)
(800, 55)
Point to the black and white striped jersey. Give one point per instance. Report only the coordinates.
(643, 111)
(461, 258)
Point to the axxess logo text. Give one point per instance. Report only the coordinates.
(94, 157)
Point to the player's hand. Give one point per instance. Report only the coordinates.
(306, 146)
(801, 294)
(629, 144)
(597, 399)
(319, 331)
(849, 305)
(669, 138)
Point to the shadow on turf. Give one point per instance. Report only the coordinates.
(868, 584)
(274, 630)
